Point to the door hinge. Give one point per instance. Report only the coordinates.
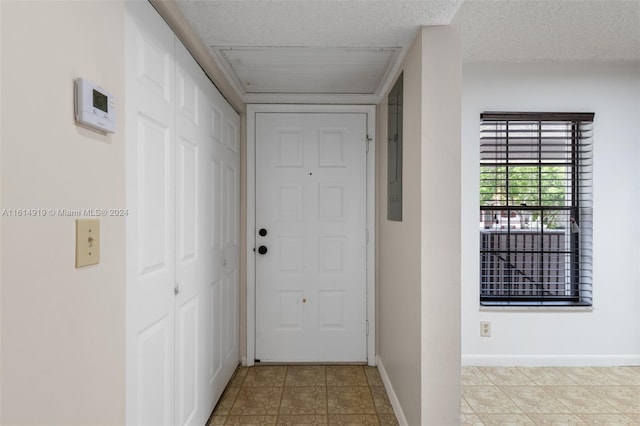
(367, 236)
(176, 289)
(368, 140)
(367, 327)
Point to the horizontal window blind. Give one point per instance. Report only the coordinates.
(536, 208)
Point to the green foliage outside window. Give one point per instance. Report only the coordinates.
(533, 186)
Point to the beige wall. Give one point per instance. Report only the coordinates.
(398, 250)
(418, 259)
(441, 252)
(63, 329)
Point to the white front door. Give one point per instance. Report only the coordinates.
(311, 237)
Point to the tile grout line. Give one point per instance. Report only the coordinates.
(369, 384)
(235, 398)
(233, 402)
(284, 384)
(326, 391)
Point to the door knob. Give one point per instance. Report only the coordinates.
(262, 232)
(262, 249)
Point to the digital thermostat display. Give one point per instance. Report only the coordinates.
(100, 101)
(94, 107)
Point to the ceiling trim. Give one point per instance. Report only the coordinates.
(388, 75)
(304, 98)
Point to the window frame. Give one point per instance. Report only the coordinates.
(576, 289)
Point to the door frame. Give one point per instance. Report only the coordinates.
(252, 110)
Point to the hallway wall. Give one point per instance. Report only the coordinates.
(441, 262)
(63, 334)
(398, 248)
(418, 258)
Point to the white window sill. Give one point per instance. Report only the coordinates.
(537, 308)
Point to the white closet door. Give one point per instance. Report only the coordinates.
(207, 242)
(223, 294)
(151, 221)
(183, 179)
(192, 146)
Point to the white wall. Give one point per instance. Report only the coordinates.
(610, 333)
(62, 329)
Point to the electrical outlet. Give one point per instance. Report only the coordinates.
(485, 328)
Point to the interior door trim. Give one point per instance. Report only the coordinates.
(252, 110)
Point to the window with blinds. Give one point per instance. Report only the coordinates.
(535, 208)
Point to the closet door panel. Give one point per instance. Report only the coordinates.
(151, 221)
(183, 234)
(192, 329)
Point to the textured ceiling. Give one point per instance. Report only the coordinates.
(327, 30)
(341, 23)
(558, 30)
(493, 30)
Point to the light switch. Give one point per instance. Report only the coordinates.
(87, 242)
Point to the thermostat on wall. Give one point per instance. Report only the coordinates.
(94, 106)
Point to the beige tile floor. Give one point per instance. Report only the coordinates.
(558, 396)
(355, 395)
(305, 395)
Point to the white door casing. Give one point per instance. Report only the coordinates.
(312, 292)
(182, 273)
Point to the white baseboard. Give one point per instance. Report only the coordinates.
(393, 398)
(550, 360)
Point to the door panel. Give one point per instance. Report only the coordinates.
(311, 199)
(188, 185)
(230, 203)
(187, 357)
(156, 197)
(190, 265)
(182, 248)
(229, 327)
(214, 358)
(151, 220)
(207, 258)
(221, 247)
(154, 374)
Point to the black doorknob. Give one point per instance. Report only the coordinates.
(262, 232)
(262, 249)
